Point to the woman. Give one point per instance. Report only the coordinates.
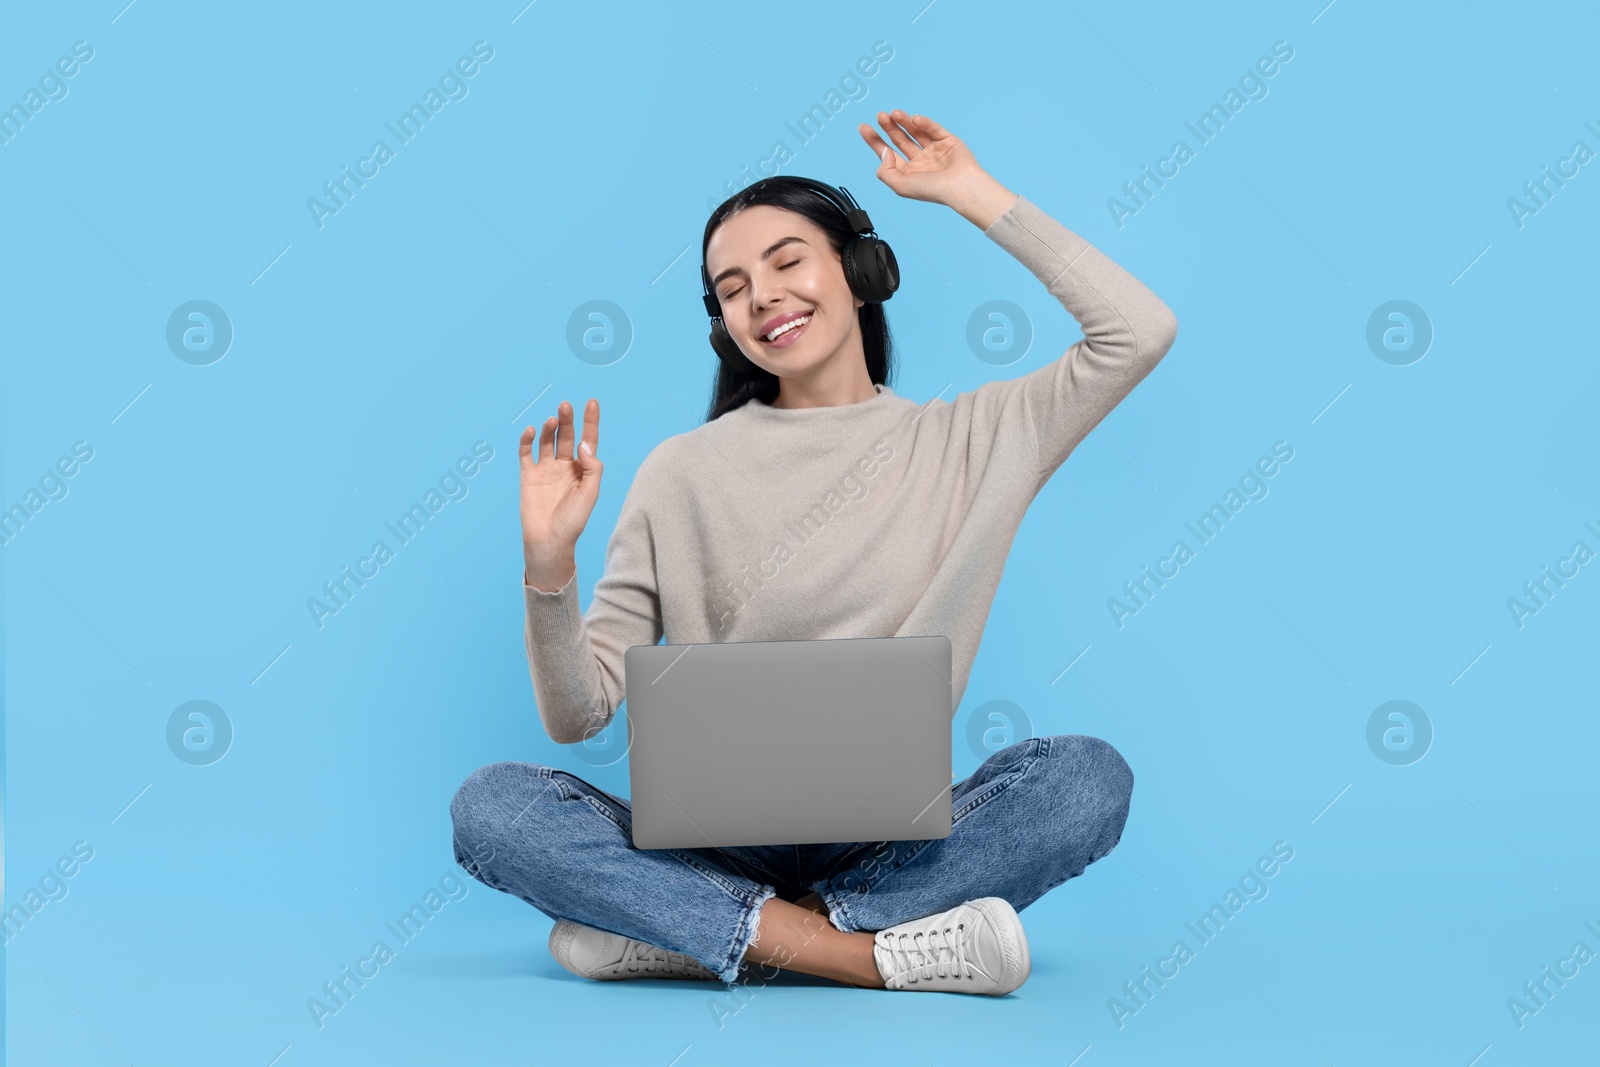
(899, 517)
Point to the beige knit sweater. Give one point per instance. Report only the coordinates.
(886, 517)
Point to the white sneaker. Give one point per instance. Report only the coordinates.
(976, 947)
(604, 956)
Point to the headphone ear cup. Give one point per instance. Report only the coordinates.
(872, 270)
(726, 348)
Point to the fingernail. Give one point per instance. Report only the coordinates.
(586, 448)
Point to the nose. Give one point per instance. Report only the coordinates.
(766, 293)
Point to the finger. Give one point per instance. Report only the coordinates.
(874, 142)
(907, 122)
(933, 129)
(902, 140)
(591, 425)
(547, 437)
(564, 442)
(886, 155)
(525, 447)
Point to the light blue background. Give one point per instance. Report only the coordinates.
(432, 310)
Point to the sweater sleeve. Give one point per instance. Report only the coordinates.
(576, 660)
(1126, 331)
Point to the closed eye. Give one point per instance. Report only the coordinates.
(731, 293)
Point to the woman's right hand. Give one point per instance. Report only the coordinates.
(559, 490)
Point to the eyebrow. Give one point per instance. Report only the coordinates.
(764, 256)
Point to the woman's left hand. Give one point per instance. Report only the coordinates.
(937, 166)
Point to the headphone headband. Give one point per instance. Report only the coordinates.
(854, 216)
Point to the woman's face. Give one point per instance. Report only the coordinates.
(770, 266)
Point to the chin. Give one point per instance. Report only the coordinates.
(788, 364)
(793, 369)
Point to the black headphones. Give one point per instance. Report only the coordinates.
(869, 264)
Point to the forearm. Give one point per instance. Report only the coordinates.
(548, 569)
(561, 663)
(981, 200)
(1126, 327)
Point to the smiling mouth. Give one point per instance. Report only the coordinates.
(788, 333)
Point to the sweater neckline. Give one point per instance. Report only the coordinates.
(766, 412)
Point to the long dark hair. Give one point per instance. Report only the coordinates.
(736, 385)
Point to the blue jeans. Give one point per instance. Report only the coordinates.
(1033, 815)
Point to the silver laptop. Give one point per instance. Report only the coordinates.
(789, 742)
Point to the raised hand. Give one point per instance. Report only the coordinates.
(559, 489)
(937, 166)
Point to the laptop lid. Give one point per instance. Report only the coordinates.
(789, 742)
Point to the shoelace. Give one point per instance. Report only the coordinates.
(941, 951)
(638, 956)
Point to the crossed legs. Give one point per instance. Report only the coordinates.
(1032, 816)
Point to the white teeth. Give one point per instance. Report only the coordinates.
(786, 327)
